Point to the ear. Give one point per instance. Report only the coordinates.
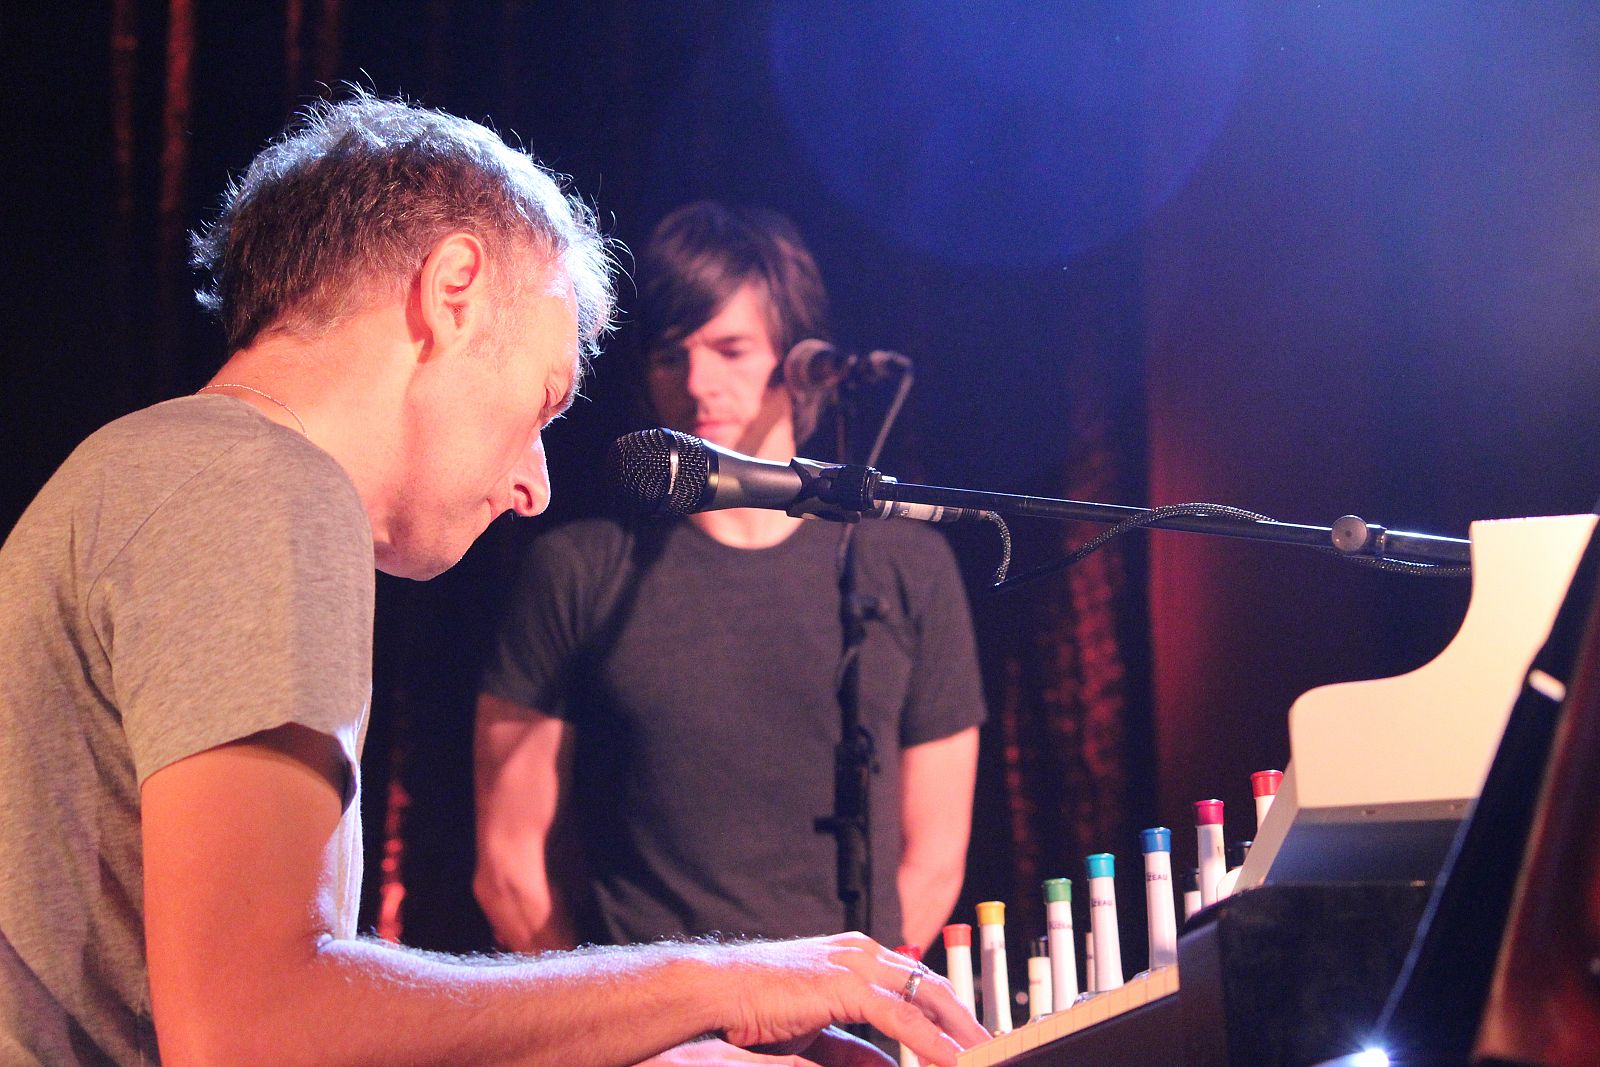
(453, 291)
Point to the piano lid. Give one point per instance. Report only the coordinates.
(1383, 771)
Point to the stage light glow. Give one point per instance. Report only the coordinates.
(1006, 133)
(1370, 1057)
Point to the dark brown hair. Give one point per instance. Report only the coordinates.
(703, 253)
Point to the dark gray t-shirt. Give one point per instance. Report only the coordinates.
(701, 682)
(193, 574)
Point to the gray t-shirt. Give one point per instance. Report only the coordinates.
(193, 574)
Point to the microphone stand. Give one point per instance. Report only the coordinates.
(855, 757)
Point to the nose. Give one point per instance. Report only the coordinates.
(704, 374)
(530, 481)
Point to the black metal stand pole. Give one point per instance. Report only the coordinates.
(854, 757)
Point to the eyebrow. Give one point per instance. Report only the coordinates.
(729, 338)
(574, 388)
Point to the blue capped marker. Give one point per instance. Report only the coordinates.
(1159, 902)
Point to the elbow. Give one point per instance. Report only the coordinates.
(517, 910)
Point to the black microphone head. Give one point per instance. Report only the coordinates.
(813, 365)
(659, 472)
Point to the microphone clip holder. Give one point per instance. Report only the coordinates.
(838, 492)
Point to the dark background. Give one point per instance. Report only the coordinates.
(1306, 259)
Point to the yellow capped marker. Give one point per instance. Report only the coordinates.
(992, 948)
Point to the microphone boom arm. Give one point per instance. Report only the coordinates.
(862, 490)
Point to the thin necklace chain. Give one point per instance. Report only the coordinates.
(258, 392)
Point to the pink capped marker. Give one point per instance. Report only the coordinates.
(958, 963)
(1213, 857)
(1264, 786)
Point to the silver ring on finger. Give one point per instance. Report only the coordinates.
(908, 992)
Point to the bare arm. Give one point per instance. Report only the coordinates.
(244, 968)
(522, 763)
(936, 783)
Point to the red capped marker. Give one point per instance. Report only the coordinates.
(958, 963)
(1264, 786)
(1213, 858)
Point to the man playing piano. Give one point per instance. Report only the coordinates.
(185, 618)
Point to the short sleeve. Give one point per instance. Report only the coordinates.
(534, 657)
(244, 602)
(946, 691)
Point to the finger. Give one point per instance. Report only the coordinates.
(907, 1024)
(936, 999)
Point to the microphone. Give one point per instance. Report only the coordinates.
(667, 472)
(817, 366)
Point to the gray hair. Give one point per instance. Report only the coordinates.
(353, 196)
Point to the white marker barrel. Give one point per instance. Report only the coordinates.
(992, 959)
(1041, 999)
(1191, 893)
(958, 963)
(907, 1057)
(1208, 832)
(1160, 913)
(1230, 881)
(1088, 963)
(1264, 787)
(1103, 921)
(1063, 946)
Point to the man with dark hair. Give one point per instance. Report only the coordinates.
(655, 734)
(185, 626)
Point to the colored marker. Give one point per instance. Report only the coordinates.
(1103, 921)
(1230, 880)
(1161, 918)
(907, 1057)
(1088, 962)
(1264, 787)
(958, 963)
(1063, 946)
(1041, 1002)
(1191, 893)
(1208, 830)
(992, 960)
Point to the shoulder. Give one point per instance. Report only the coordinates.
(213, 440)
(211, 474)
(905, 544)
(579, 552)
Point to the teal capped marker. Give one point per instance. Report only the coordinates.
(1103, 922)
